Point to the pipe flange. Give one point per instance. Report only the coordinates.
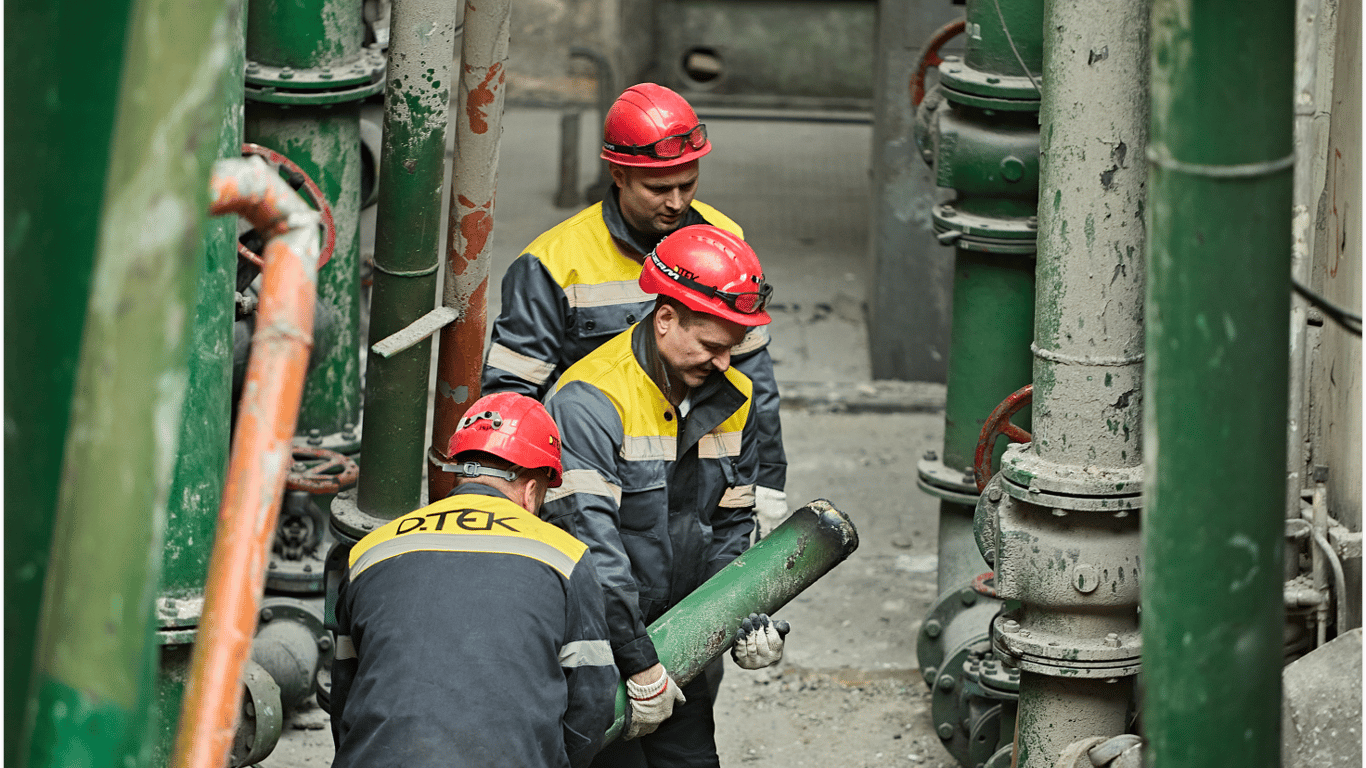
(951, 698)
(941, 482)
(988, 90)
(262, 719)
(347, 441)
(275, 608)
(348, 523)
(942, 629)
(1118, 654)
(997, 680)
(988, 234)
(1082, 489)
(349, 80)
(179, 612)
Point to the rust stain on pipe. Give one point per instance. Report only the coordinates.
(261, 455)
(483, 96)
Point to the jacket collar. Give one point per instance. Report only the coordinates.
(713, 401)
(635, 240)
(477, 489)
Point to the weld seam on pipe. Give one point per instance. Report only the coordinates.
(1232, 171)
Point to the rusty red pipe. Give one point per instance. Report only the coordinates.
(479, 127)
(261, 453)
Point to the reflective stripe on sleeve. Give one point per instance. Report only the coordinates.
(718, 444)
(738, 496)
(522, 366)
(586, 653)
(608, 294)
(648, 448)
(344, 649)
(444, 542)
(584, 481)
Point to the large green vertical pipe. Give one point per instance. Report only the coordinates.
(1215, 408)
(407, 252)
(324, 140)
(90, 695)
(202, 461)
(63, 62)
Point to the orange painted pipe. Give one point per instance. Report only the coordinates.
(261, 454)
(478, 126)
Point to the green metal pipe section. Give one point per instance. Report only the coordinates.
(306, 72)
(407, 252)
(1215, 411)
(90, 696)
(702, 626)
(205, 429)
(63, 63)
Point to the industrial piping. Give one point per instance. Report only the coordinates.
(1215, 416)
(261, 456)
(407, 256)
(1063, 514)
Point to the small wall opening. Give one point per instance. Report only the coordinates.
(702, 66)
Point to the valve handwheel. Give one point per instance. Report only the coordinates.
(998, 424)
(334, 472)
(297, 179)
(930, 57)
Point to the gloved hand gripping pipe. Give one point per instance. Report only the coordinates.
(261, 455)
(815, 539)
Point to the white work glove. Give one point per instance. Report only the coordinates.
(652, 704)
(758, 642)
(770, 509)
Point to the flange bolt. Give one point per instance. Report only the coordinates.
(933, 628)
(945, 731)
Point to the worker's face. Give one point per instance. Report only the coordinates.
(693, 351)
(654, 200)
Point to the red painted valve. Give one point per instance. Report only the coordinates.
(929, 57)
(315, 195)
(998, 424)
(333, 473)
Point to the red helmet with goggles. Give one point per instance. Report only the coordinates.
(650, 126)
(512, 427)
(710, 270)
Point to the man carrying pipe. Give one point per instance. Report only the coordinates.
(575, 286)
(470, 632)
(660, 467)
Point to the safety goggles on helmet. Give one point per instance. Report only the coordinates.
(667, 148)
(746, 303)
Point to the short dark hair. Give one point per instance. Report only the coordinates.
(687, 316)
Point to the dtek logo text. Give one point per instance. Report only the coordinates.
(465, 519)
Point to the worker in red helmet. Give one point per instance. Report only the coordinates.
(660, 471)
(576, 286)
(471, 632)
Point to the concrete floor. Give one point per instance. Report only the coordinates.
(848, 692)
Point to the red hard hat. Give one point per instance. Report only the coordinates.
(514, 428)
(642, 115)
(710, 270)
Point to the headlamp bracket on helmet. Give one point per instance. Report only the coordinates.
(492, 416)
(475, 469)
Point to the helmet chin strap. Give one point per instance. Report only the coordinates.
(475, 469)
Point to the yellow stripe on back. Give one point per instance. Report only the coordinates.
(491, 517)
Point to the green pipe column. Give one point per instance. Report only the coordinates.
(63, 64)
(90, 699)
(407, 252)
(812, 541)
(983, 142)
(1215, 415)
(202, 460)
(306, 73)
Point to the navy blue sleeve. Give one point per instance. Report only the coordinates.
(733, 520)
(528, 335)
(588, 666)
(755, 362)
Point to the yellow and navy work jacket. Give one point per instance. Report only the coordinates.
(663, 500)
(470, 633)
(576, 286)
